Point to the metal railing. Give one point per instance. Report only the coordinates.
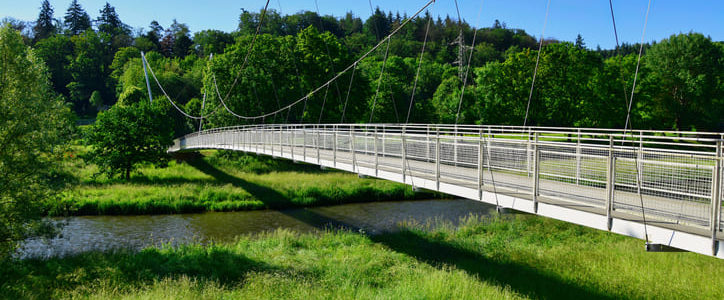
(676, 175)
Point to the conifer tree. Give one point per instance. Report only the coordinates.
(76, 19)
(45, 25)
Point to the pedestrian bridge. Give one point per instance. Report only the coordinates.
(660, 185)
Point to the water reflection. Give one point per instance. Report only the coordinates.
(105, 233)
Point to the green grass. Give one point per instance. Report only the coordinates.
(218, 181)
(522, 256)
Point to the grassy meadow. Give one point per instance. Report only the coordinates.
(216, 181)
(508, 257)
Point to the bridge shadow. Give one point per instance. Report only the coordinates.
(520, 278)
(272, 199)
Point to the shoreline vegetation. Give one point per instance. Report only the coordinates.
(499, 257)
(217, 181)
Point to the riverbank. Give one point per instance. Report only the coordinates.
(218, 181)
(518, 256)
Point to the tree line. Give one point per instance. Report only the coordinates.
(95, 64)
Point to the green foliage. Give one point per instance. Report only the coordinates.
(124, 137)
(34, 123)
(76, 19)
(95, 99)
(223, 181)
(684, 79)
(498, 257)
(45, 24)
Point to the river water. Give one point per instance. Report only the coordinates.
(104, 233)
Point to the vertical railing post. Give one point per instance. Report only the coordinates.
(480, 165)
(427, 144)
(578, 157)
(319, 139)
(334, 145)
(304, 143)
(403, 151)
(536, 171)
(529, 155)
(351, 147)
(610, 182)
(716, 197)
(437, 158)
(377, 161)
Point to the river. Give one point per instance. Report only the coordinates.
(104, 233)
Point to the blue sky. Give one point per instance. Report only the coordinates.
(590, 18)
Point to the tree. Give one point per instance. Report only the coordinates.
(45, 24)
(125, 137)
(109, 22)
(683, 77)
(76, 19)
(35, 124)
(57, 52)
(89, 69)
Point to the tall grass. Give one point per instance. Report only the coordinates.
(218, 181)
(523, 256)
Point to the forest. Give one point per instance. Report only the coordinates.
(95, 64)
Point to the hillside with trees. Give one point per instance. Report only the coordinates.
(95, 64)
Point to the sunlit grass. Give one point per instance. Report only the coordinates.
(520, 256)
(215, 182)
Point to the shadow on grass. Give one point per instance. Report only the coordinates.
(520, 278)
(41, 279)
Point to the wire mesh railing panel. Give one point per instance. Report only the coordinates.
(510, 157)
(660, 193)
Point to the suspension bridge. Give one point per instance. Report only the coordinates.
(664, 187)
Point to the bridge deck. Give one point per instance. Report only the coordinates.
(589, 178)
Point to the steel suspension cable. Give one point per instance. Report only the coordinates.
(620, 60)
(339, 74)
(167, 97)
(470, 60)
(379, 80)
(243, 64)
(349, 89)
(326, 47)
(537, 60)
(639, 176)
(419, 65)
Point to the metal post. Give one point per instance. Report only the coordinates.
(716, 197)
(148, 83)
(403, 152)
(610, 181)
(578, 157)
(427, 144)
(334, 145)
(377, 159)
(480, 165)
(319, 138)
(437, 158)
(536, 172)
(529, 155)
(304, 143)
(351, 147)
